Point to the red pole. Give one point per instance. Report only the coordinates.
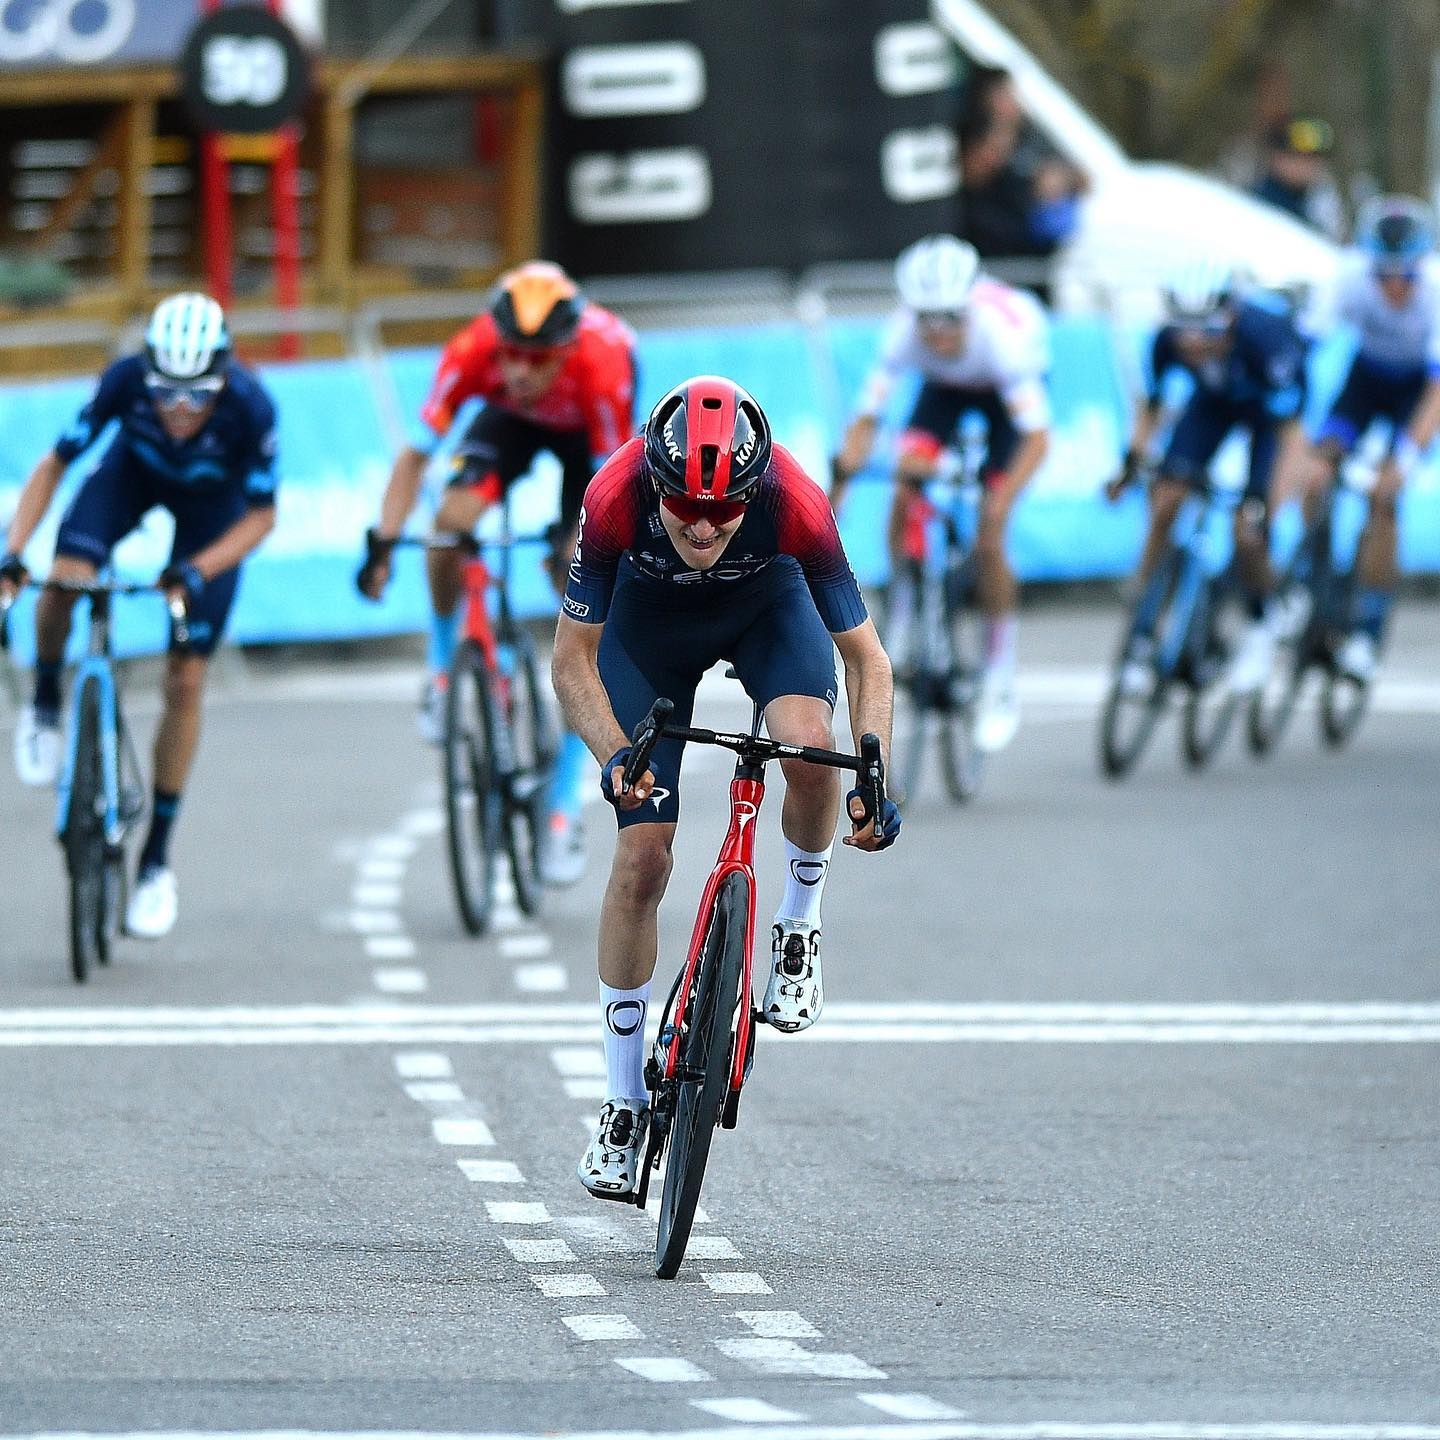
(215, 207)
(285, 217)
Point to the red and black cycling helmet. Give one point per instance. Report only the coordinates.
(537, 305)
(707, 441)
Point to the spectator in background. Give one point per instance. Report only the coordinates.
(1297, 175)
(1017, 200)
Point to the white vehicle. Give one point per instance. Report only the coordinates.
(1139, 218)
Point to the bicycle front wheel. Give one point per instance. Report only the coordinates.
(705, 1055)
(1211, 705)
(961, 759)
(1129, 715)
(472, 803)
(533, 746)
(84, 837)
(1343, 702)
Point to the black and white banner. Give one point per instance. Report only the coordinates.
(700, 135)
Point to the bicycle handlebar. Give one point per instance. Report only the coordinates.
(175, 604)
(464, 541)
(868, 765)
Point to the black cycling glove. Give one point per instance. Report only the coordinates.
(12, 568)
(187, 577)
(377, 553)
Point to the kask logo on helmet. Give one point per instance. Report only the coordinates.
(78, 32)
(668, 435)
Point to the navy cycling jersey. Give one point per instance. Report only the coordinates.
(233, 455)
(789, 522)
(1264, 372)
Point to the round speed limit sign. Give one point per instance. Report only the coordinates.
(243, 71)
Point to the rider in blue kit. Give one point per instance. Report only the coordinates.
(1246, 360)
(195, 435)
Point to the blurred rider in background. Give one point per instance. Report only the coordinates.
(978, 347)
(1388, 292)
(1246, 362)
(556, 373)
(197, 436)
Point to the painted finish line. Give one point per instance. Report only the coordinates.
(1355, 1023)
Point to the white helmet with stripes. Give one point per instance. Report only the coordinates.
(187, 338)
(937, 274)
(1198, 292)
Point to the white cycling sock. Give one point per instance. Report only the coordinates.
(624, 1012)
(805, 875)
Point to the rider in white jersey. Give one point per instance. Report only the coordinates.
(1389, 292)
(978, 347)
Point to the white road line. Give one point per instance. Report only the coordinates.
(373, 895)
(664, 1369)
(586, 1087)
(428, 821)
(373, 922)
(747, 1411)
(546, 978)
(602, 1327)
(578, 1060)
(652, 1209)
(378, 868)
(491, 1172)
(423, 1065)
(567, 1286)
(391, 847)
(525, 946)
(735, 1282)
(539, 1252)
(401, 980)
(785, 1357)
(778, 1324)
(517, 1212)
(910, 1407)
(711, 1247)
(466, 1131)
(389, 947)
(434, 1092)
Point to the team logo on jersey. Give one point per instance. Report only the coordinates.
(625, 1017)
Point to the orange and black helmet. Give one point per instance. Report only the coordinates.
(537, 304)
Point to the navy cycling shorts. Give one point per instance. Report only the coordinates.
(660, 641)
(504, 445)
(1372, 393)
(112, 501)
(1203, 427)
(935, 422)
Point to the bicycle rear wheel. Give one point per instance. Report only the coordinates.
(84, 837)
(1343, 703)
(472, 802)
(533, 745)
(1211, 705)
(705, 1055)
(961, 760)
(1128, 717)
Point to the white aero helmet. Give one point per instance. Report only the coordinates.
(1197, 292)
(937, 274)
(187, 338)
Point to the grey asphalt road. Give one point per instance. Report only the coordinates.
(1122, 1111)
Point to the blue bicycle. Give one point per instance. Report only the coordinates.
(1181, 632)
(100, 797)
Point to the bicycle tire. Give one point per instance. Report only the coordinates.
(533, 747)
(84, 834)
(1205, 726)
(468, 775)
(962, 763)
(1340, 720)
(705, 1048)
(1123, 740)
(1271, 708)
(910, 754)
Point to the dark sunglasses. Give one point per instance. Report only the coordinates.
(189, 394)
(1397, 270)
(940, 319)
(691, 512)
(534, 356)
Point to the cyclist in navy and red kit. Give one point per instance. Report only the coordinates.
(701, 541)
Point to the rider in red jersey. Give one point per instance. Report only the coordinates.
(703, 541)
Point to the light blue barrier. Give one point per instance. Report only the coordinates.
(335, 459)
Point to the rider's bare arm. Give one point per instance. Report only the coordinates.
(869, 685)
(1032, 451)
(1147, 422)
(575, 673)
(35, 500)
(401, 491)
(230, 548)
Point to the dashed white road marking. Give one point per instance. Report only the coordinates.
(373, 922)
(525, 946)
(401, 980)
(602, 1327)
(778, 1324)
(379, 868)
(423, 1065)
(434, 1092)
(585, 1087)
(389, 947)
(541, 978)
(373, 895)
(428, 821)
(518, 1212)
(391, 847)
(491, 1172)
(664, 1369)
(466, 1130)
(567, 1286)
(785, 1357)
(735, 1282)
(747, 1411)
(910, 1407)
(711, 1247)
(539, 1252)
(578, 1060)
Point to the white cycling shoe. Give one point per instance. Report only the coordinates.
(1250, 668)
(154, 905)
(998, 717)
(795, 993)
(39, 749)
(430, 718)
(1358, 658)
(610, 1166)
(562, 860)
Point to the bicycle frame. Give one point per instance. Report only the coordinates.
(1199, 568)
